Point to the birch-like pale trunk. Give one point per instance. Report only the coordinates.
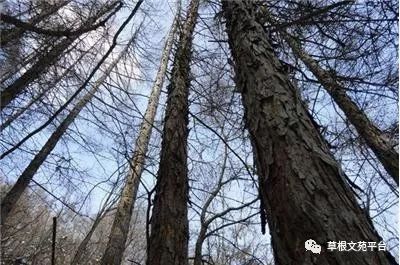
(302, 187)
(120, 227)
(168, 243)
(11, 198)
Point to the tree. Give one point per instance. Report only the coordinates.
(120, 228)
(9, 201)
(374, 137)
(293, 161)
(47, 59)
(168, 242)
(46, 11)
(94, 157)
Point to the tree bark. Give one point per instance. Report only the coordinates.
(120, 227)
(11, 92)
(303, 188)
(373, 136)
(169, 236)
(11, 198)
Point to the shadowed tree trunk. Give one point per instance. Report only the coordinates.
(372, 135)
(120, 227)
(44, 61)
(11, 198)
(169, 236)
(303, 189)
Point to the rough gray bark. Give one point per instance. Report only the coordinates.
(372, 135)
(168, 243)
(11, 198)
(120, 227)
(303, 188)
(44, 61)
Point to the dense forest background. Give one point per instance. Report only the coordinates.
(86, 94)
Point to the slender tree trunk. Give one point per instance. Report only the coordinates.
(82, 246)
(372, 135)
(11, 92)
(204, 223)
(303, 189)
(169, 236)
(39, 96)
(16, 33)
(77, 259)
(11, 198)
(45, 60)
(120, 227)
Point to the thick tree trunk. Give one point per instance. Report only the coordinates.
(11, 92)
(302, 187)
(168, 242)
(372, 135)
(120, 227)
(11, 198)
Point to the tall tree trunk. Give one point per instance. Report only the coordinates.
(11, 198)
(11, 92)
(168, 243)
(83, 245)
(303, 189)
(372, 135)
(45, 60)
(120, 227)
(39, 96)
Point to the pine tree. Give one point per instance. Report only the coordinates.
(11, 198)
(169, 236)
(303, 189)
(120, 227)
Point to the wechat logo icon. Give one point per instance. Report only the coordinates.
(312, 246)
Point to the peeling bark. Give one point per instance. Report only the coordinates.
(168, 242)
(303, 188)
(120, 227)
